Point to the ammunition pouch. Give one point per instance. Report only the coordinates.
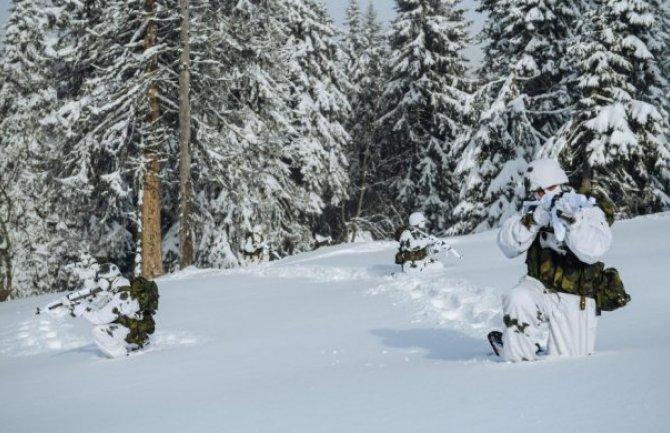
(611, 294)
(139, 329)
(410, 256)
(567, 274)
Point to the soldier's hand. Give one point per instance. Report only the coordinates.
(569, 205)
(541, 216)
(547, 200)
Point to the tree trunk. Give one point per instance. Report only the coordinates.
(150, 203)
(185, 238)
(5, 251)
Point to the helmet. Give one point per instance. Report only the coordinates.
(543, 173)
(417, 220)
(108, 271)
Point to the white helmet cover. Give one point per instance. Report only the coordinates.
(543, 173)
(417, 219)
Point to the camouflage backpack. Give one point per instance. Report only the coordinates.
(611, 294)
(145, 292)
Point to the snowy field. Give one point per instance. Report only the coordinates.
(329, 341)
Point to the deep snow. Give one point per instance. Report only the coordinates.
(329, 341)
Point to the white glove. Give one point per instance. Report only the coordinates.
(547, 200)
(541, 216)
(571, 202)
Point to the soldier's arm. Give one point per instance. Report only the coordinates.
(408, 242)
(589, 235)
(121, 304)
(516, 235)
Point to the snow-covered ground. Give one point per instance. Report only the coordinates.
(329, 341)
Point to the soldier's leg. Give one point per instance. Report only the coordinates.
(111, 339)
(572, 331)
(524, 310)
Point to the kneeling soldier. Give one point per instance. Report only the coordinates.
(416, 249)
(124, 319)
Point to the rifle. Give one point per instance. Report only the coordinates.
(570, 199)
(442, 245)
(448, 249)
(439, 243)
(72, 298)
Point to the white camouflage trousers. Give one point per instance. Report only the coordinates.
(111, 339)
(572, 331)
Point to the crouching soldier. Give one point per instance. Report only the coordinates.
(254, 248)
(417, 249)
(122, 312)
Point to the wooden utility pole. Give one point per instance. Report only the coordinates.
(150, 201)
(185, 238)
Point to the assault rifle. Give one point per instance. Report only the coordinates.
(441, 245)
(561, 207)
(70, 299)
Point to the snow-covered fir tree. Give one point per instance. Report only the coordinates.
(243, 178)
(267, 135)
(101, 128)
(31, 237)
(618, 139)
(522, 101)
(424, 105)
(661, 10)
(319, 109)
(364, 54)
(352, 45)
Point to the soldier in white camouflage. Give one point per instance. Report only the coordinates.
(122, 313)
(564, 234)
(417, 249)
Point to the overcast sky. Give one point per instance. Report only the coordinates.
(385, 10)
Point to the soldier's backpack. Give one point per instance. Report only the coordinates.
(611, 294)
(145, 292)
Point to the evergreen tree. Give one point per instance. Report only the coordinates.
(319, 109)
(267, 135)
(424, 105)
(353, 39)
(617, 138)
(523, 100)
(242, 117)
(101, 126)
(30, 236)
(364, 54)
(662, 36)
